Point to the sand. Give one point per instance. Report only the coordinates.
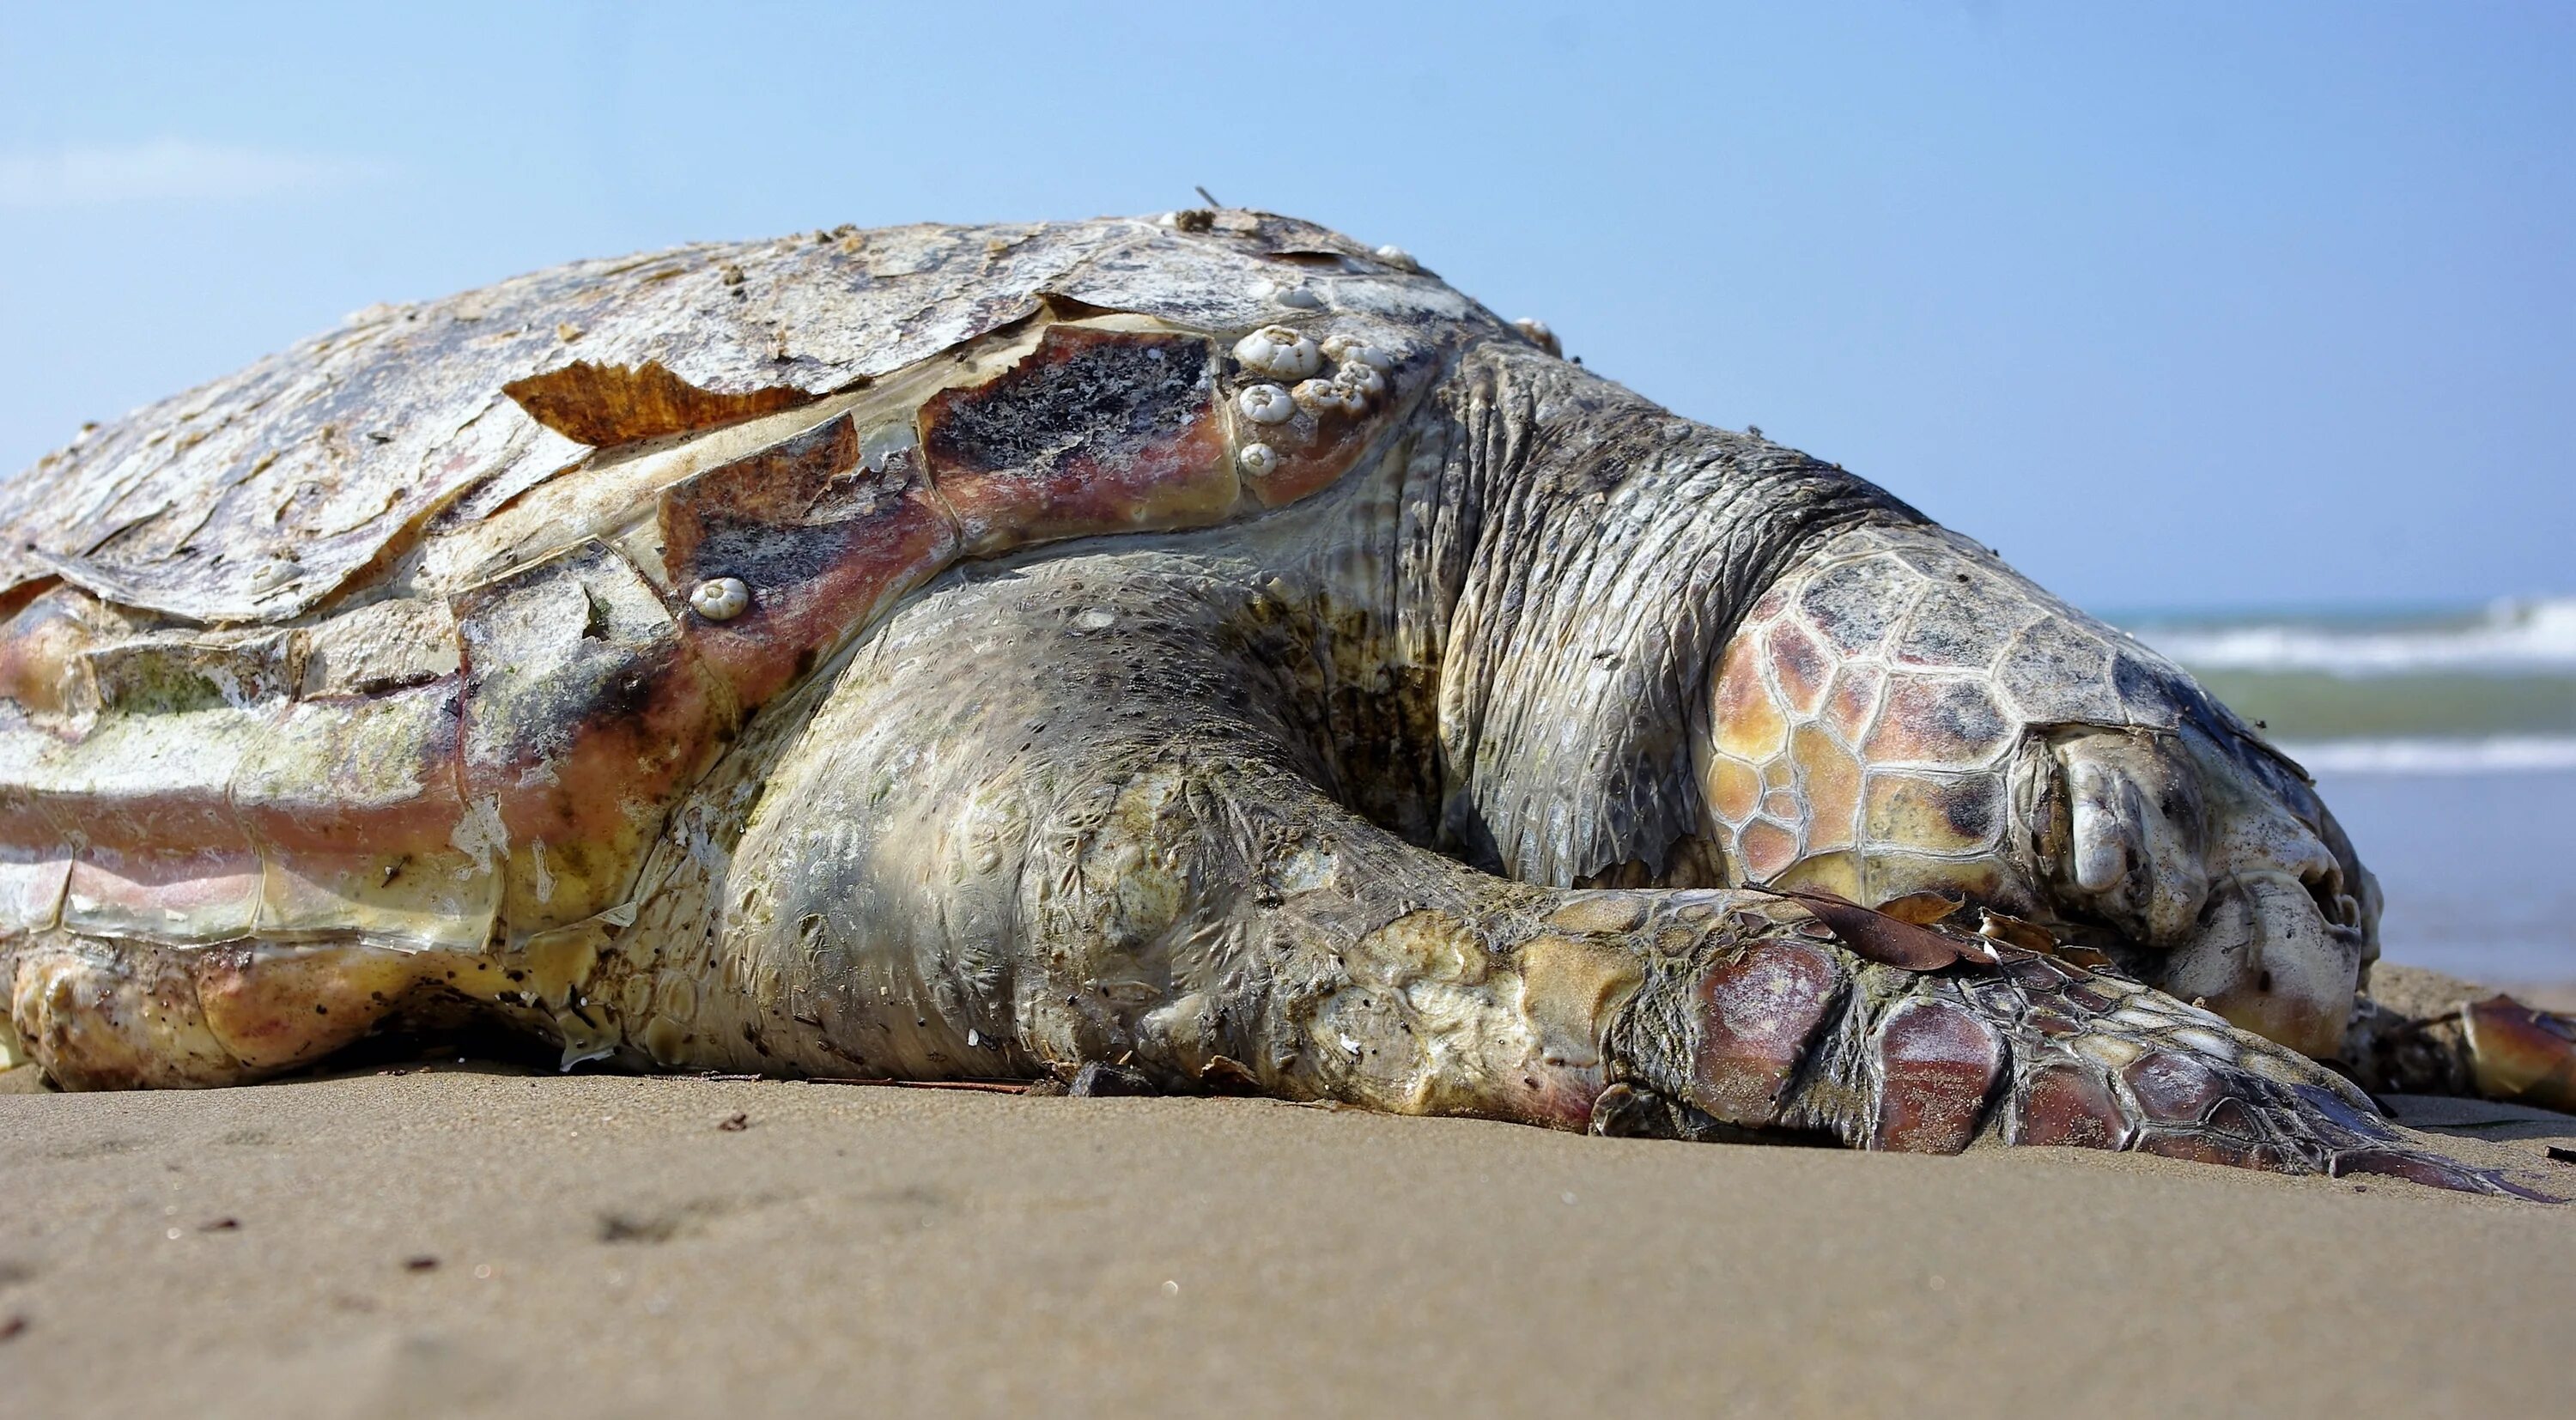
(468, 1240)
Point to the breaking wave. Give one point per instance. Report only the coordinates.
(2518, 636)
(2494, 754)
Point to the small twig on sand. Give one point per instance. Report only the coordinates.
(986, 1087)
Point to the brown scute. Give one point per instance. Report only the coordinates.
(2068, 1105)
(1095, 431)
(1937, 1063)
(823, 542)
(1760, 1009)
(800, 480)
(1933, 813)
(1767, 849)
(1802, 666)
(2216, 1149)
(2173, 1088)
(607, 405)
(1945, 721)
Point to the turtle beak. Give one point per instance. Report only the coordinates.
(2292, 918)
(2267, 959)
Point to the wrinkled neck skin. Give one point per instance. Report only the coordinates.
(1555, 565)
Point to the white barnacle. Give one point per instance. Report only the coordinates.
(1398, 258)
(1296, 297)
(1322, 397)
(720, 598)
(1350, 349)
(1361, 379)
(1257, 460)
(1280, 352)
(1266, 404)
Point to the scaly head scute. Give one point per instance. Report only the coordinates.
(2217, 863)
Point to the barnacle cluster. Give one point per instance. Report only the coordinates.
(1292, 366)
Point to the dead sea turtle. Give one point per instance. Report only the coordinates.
(1205, 643)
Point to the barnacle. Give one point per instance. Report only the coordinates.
(1349, 349)
(720, 598)
(1322, 397)
(1280, 352)
(1360, 378)
(1298, 297)
(1268, 404)
(1257, 460)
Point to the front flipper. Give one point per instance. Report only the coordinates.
(1793, 1033)
(1078, 814)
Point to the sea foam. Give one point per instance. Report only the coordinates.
(2521, 636)
(2493, 754)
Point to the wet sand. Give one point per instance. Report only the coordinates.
(467, 1240)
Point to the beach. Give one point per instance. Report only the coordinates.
(471, 1240)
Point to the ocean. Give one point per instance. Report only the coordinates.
(2445, 741)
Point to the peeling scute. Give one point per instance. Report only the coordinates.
(176, 671)
(1096, 431)
(254, 497)
(44, 663)
(583, 712)
(1209, 283)
(390, 645)
(826, 537)
(193, 800)
(607, 405)
(157, 851)
(354, 804)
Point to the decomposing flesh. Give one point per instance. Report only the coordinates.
(1206, 644)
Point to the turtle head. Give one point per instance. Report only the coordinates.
(2213, 853)
(1903, 715)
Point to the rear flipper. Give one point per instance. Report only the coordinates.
(1783, 1033)
(2420, 1032)
(100, 1014)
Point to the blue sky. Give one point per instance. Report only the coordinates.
(2180, 306)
